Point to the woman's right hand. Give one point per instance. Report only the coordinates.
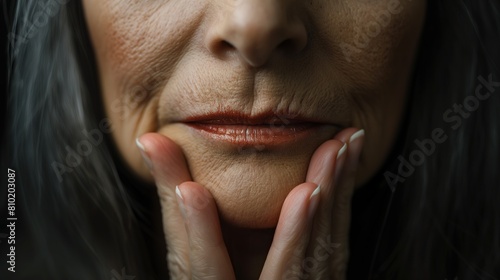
(311, 237)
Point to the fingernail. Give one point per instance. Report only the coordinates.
(339, 164)
(355, 144)
(178, 193)
(315, 192)
(180, 201)
(313, 202)
(147, 160)
(342, 151)
(356, 135)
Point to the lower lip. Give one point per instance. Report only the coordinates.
(256, 135)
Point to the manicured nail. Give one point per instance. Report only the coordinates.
(315, 192)
(357, 135)
(339, 164)
(178, 193)
(180, 201)
(355, 146)
(313, 202)
(147, 160)
(342, 151)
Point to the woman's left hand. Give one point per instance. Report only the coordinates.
(311, 238)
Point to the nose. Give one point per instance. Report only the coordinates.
(257, 30)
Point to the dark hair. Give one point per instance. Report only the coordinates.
(83, 217)
(79, 220)
(436, 214)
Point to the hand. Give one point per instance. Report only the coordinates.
(311, 238)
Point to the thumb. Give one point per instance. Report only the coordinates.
(169, 169)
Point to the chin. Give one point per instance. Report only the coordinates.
(248, 183)
(250, 194)
(249, 186)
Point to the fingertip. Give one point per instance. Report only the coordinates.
(164, 158)
(346, 134)
(303, 196)
(294, 211)
(207, 247)
(323, 161)
(195, 196)
(157, 144)
(201, 214)
(328, 150)
(358, 134)
(299, 194)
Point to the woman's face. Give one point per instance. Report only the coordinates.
(250, 88)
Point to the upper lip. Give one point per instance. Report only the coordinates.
(239, 118)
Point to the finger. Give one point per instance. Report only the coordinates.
(342, 204)
(168, 166)
(292, 233)
(338, 211)
(344, 184)
(322, 172)
(208, 254)
(324, 168)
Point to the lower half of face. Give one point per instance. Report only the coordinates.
(249, 131)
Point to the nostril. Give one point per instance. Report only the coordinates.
(226, 46)
(287, 45)
(295, 41)
(255, 33)
(221, 48)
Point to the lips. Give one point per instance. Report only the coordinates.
(264, 130)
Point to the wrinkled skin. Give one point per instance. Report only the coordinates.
(345, 63)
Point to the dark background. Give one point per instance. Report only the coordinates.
(5, 24)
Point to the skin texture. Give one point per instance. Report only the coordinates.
(345, 63)
(312, 232)
(162, 61)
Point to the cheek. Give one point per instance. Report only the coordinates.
(132, 67)
(375, 39)
(374, 51)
